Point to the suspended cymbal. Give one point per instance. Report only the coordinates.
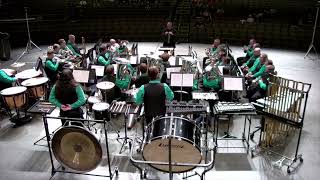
(76, 148)
(17, 65)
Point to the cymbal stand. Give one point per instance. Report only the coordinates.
(311, 46)
(126, 139)
(30, 42)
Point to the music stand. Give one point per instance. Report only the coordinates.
(30, 42)
(232, 83)
(181, 80)
(311, 46)
(81, 75)
(99, 70)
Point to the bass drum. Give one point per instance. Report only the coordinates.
(76, 148)
(185, 144)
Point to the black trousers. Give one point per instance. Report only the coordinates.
(254, 93)
(73, 113)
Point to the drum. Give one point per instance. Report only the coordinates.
(27, 74)
(14, 97)
(185, 144)
(105, 85)
(100, 111)
(76, 148)
(92, 100)
(36, 86)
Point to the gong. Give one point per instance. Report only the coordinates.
(76, 148)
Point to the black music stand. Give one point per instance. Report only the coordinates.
(232, 84)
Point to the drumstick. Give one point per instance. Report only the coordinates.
(136, 110)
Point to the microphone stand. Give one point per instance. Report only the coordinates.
(30, 42)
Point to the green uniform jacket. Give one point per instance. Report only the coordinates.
(70, 46)
(81, 98)
(262, 85)
(103, 61)
(5, 78)
(138, 98)
(51, 65)
(212, 83)
(260, 72)
(252, 60)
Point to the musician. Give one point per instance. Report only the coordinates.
(143, 78)
(104, 58)
(225, 61)
(122, 50)
(258, 89)
(114, 45)
(169, 35)
(5, 80)
(249, 52)
(123, 79)
(51, 67)
(165, 56)
(258, 67)
(73, 46)
(212, 80)
(154, 95)
(68, 95)
(110, 76)
(64, 50)
(256, 54)
(213, 50)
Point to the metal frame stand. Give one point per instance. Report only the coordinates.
(126, 139)
(207, 166)
(54, 170)
(311, 46)
(30, 42)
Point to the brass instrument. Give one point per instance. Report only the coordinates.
(158, 63)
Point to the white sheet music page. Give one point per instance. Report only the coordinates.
(99, 70)
(176, 80)
(187, 80)
(233, 84)
(81, 76)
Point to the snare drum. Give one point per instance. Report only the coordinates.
(100, 111)
(185, 143)
(92, 100)
(27, 74)
(36, 86)
(14, 97)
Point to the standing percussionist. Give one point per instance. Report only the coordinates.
(154, 95)
(68, 95)
(169, 36)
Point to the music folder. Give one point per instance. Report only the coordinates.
(181, 79)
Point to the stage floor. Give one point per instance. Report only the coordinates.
(20, 159)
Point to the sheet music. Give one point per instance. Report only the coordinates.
(99, 70)
(115, 67)
(179, 79)
(81, 76)
(172, 69)
(233, 83)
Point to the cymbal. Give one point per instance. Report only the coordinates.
(105, 85)
(76, 148)
(17, 65)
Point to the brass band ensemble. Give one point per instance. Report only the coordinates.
(172, 97)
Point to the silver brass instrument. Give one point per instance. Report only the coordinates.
(158, 63)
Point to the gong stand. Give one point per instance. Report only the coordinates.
(61, 169)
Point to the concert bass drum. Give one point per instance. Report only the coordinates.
(76, 148)
(185, 144)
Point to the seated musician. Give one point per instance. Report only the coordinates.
(51, 67)
(212, 80)
(211, 51)
(249, 52)
(73, 46)
(225, 61)
(219, 60)
(258, 67)
(110, 76)
(114, 45)
(64, 50)
(154, 95)
(259, 87)
(256, 54)
(5, 82)
(122, 50)
(56, 51)
(104, 58)
(68, 95)
(165, 56)
(123, 79)
(143, 78)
